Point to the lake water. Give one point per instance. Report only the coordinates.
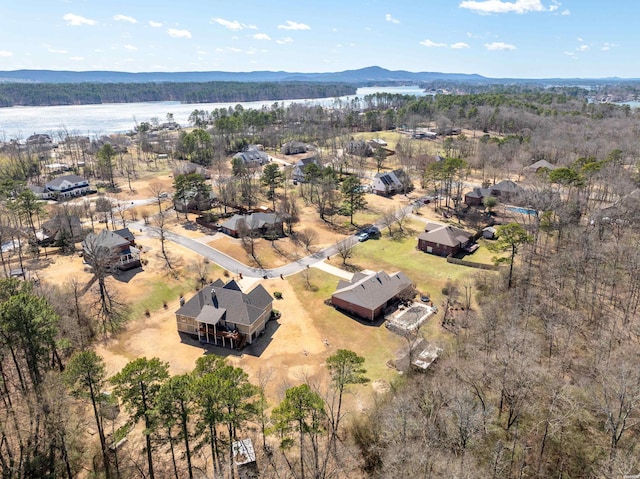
(94, 120)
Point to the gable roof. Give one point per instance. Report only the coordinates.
(37, 190)
(373, 290)
(70, 178)
(252, 156)
(253, 221)
(188, 168)
(506, 186)
(540, 164)
(105, 239)
(388, 179)
(446, 235)
(629, 203)
(478, 192)
(62, 222)
(218, 301)
(125, 233)
(306, 161)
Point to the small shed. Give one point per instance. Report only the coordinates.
(244, 456)
(489, 232)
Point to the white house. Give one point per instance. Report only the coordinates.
(390, 183)
(68, 186)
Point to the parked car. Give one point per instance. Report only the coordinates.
(424, 298)
(373, 231)
(363, 236)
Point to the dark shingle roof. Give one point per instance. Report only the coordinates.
(219, 301)
(506, 186)
(371, 291)
(478, 192)
(125, 233)
(106, 239)
(253, 156)
(446, 235)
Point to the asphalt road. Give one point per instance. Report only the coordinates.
(235, 266)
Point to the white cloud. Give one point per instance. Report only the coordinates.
(76, 20)
(429, 43)
(77, 59)
(608, 46)
(5, 53)
(175, 33)
(155, 24)
(582, 48)
(54, 50)
(459, 45)
(234, 25)
(130, 48)
(499, 46)
(389, 18)
(219, 50)
(289, 25)
(580, 39)
(285, 40)
(261, 36)
(124, 18)
(566, 12)
(202, 52)
(235, 50)
(500, 6)
(570, 54)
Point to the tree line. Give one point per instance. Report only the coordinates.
(47, 94)
(51, 386)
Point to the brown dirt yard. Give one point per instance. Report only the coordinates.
(293, 349)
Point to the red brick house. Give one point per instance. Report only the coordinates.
(443, 240)
(369, 295)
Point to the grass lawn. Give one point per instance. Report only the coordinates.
(374, 342)
(430, 273)
(155, 294)
(483, 254)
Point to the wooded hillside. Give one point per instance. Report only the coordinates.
(47, 94)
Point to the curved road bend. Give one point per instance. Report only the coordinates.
(234, 266)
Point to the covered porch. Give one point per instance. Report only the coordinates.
(210, 331)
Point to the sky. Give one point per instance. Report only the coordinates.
(493, 38)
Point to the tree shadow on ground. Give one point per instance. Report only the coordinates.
(126, 276)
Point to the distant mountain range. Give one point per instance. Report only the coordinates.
(362, 76)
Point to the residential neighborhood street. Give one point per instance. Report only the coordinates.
(236, 267)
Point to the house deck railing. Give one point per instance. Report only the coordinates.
(232, 339)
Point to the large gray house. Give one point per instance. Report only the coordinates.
(222, 314)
